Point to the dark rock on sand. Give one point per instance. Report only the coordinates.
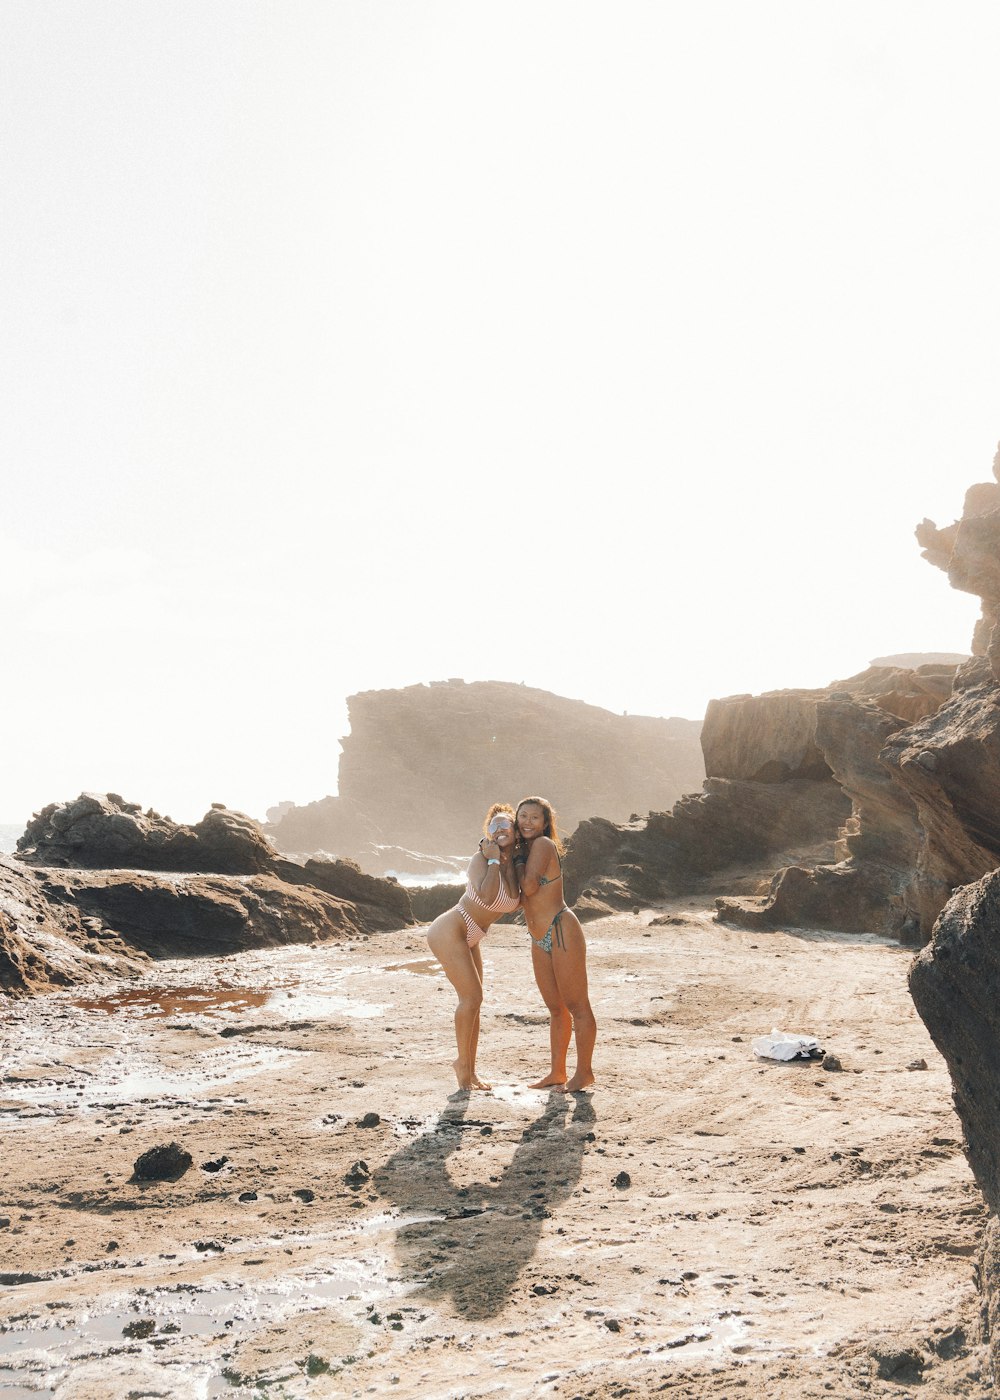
(164, 1163)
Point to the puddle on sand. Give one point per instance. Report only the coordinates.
(196, 1001)
(429, 967)
(174, 1001)
(168, 1315)
(10, 1390)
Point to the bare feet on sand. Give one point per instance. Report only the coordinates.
(578, 1082)
(478, 1083)
(462, 1074)
(551, 1081)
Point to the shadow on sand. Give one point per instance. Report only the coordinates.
(483, 1235)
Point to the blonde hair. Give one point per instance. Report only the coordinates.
(499, 809)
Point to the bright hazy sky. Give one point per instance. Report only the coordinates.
(614, 348)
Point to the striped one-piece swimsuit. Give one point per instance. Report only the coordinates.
(503, 903)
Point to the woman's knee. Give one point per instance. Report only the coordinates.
(580, 1009)
(471, 1001)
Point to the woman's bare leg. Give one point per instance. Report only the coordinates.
(560, 1022)
(569, 967)
(477, 1083)
(446, 939)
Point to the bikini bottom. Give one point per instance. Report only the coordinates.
(545, 944)
(473, 932)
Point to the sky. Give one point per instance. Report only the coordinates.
(352, 344)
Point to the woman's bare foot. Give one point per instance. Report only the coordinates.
(478, 1083)
(462, 1074)
(551, 1081)
(578, 1082)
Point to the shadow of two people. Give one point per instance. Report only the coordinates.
(480, 1237)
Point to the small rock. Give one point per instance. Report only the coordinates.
(247, 1196)
(917, 1064)
(359, 1174)
(142, 1327)
(688, 1275)
(623, 1181)
(370, 1120)
(895, 1358)
(304, 1194)
(215, 1166)
(209, 1247)
(612, 1324)
(831, 1062)
(164, 1163)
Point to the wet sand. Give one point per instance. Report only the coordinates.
(703, 1224)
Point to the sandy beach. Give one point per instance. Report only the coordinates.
(703, 1224)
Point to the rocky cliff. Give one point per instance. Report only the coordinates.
(421, 765)
(89, 895)
(951, 771)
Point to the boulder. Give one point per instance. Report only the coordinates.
(203, 915)
(955, 984)
(104, 832)
(765, 738)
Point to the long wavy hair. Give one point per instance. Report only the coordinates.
(499, 809)
(550, 828)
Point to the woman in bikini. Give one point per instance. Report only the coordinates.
(558, 948)
(454, 936)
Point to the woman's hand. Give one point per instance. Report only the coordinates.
(490, 849)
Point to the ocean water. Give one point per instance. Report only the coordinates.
(9, 835)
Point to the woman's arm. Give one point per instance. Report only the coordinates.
(483, 877)
(538, 860)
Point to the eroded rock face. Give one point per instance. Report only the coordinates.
(730, 823)
(72, 910)
(422, 765)
(969, 552)
(955, 983)
(104, 832)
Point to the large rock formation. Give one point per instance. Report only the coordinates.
(790, 774)
(421, 765)
(88, 896)
(950, 768)
(921, 762)
(103, 832)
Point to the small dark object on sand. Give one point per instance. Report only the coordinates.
(142, 1327)
(623, 1181)
(831, 1062)
(304, 1194)
(215, 1166)
(370, 1120)
(358, 1175)
(917, 1064)
(164, 1163)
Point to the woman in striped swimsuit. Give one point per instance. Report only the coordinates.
(558, 948)
(454, 936)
